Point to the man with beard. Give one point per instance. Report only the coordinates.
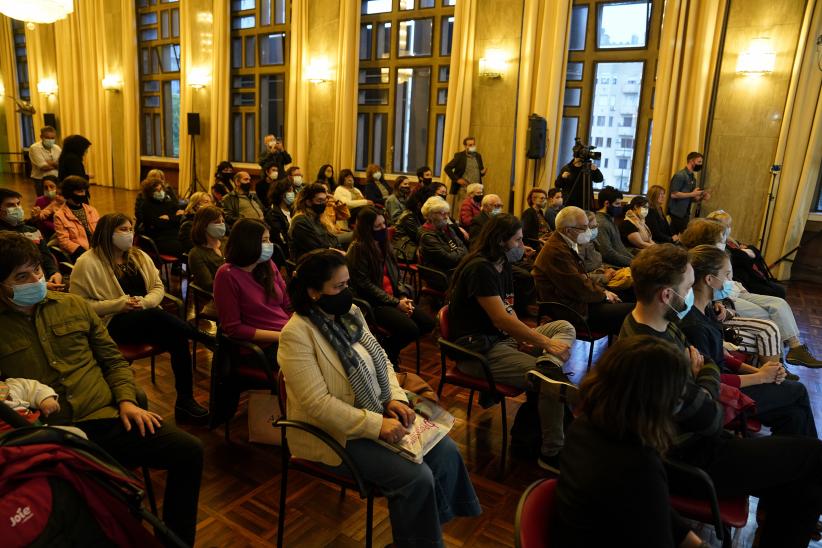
(683, 191)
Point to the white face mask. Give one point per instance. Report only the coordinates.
(298, 180)
(643, 212)
(48, 143)
(472, 149)
(584, 237)
(377, 175)
(123, 240)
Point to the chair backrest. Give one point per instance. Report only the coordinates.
(281, 393)
(443, 321)
(535, 512)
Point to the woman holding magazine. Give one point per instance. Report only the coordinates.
(339, 379)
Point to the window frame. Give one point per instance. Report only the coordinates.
(24, 122)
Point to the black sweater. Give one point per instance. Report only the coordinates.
(660, 229)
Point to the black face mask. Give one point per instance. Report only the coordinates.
(338, 304)
(319, 209)
(226, 176)
(78, 201)
(426, 181)
(697, 167)
(614, 211)
(379, 235)
(478, 198)
(246, 187)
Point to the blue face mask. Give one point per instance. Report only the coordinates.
(266, 252)
(725, 291)
(689, 302)
(289, 197)
(29, 294)
(594, 232)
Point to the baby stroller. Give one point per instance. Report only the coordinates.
(59, 489)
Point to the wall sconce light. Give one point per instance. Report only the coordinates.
(759, 59)
(198, 78)
(112, 83)
(318, 72)
(493, 64)
(47, 86)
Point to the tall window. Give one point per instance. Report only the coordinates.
(259, 66)
(816, 205)
(158, 35)
(405, 51)
(23, 89)
(609, 86)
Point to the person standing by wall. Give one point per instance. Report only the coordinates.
(684, 191)
(465, 167)
(44, 156)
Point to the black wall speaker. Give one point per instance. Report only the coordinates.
(49, 119)
(193, 123)
(537, 131)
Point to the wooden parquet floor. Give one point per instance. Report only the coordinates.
(239, 499)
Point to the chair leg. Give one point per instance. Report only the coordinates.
(152, 501)
(470, 402)
(194, 355)
(283, 487)
(369, 519)
(504, 413)
(417, 343)
(591, 354)
(153, 379)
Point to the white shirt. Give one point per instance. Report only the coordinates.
(570, 242)
(39, 155)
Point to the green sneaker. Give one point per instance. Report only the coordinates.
(800, 355)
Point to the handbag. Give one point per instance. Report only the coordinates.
(263, 411)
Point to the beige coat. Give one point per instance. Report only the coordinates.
(319, 392)
(93, 280)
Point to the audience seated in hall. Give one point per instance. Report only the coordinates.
(470, 206)
(325, 175)
(406, 238)
(397, 202)
(91, 378)
(617, 280)
(442, 246)
(42, 213)
(375, 279)
(278, 215)
(307, 231)
(612, 469)
(560, 275)
(161, 218)
(74, 223)
(491, 205)
(535, 225)
(196, 202)
(635, 233)
(327, 335)
(747, 304)
(249, 291)
(790, 495)
(267, 181)
(207, 234)
(608, 241)
(225, 175)
(167, 188)
(349, 194)
(122, 285)
(656, 220)
(243, 202)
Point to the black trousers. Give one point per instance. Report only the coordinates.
(156, 326)
(402, 329)
(785, 472)
(169, 448)
(608, 317)
(679, 224)
(785, 408)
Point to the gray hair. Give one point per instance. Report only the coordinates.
(568, 216)
(487, 199)
(435, 204)
(471, 189)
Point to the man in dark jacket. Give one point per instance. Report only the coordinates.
(465, 167)
(442, 247)
(274, 155)
(570, 182)
(608, 241)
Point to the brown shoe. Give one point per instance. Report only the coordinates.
(800, 355)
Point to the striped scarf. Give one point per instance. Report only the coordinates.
(342, 333)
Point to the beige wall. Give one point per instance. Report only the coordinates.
(494, 102)
(323, 30)
(749, 112)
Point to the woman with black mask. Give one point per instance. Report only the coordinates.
(71, 159)
(307, 231)
(225, 175)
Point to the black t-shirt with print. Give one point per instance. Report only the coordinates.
(479, 278)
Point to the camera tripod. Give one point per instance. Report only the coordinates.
(584, 178)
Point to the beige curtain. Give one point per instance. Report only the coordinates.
(688, 59)
(8, 81)
(296, 124)
(126, 67)
(219, 122)
(460, 80)
(345, 103)
(799, 149)
(42, 63)
(80, 71)
(543, 57)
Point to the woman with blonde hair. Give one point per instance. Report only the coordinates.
(656, 220)
(197, 201)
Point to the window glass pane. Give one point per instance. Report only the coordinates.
(567, 132)
(415, 37)
(362, 141)
(447, 35)
(242, 99)
(412, 100)
(279, 12)
(170, 58)
(236, 53)
(426, 4)
(444, 72)
(449, 2)
(236, 137)
(158, 150)
(438, 138)
(380, 139)
(242, 82)
(272, 49)
(148, 142)
(365, 41)
(164, 24)
(250, 145)
(579, 22)
(265, 12)
(148, 18)
(406, 4)
(373, 97)
(171, 117)
(574, 72)
(383, 40)
(374, 76)
(151, 101)
(175, 23)
(375, 6)
(442, 96)
(572, 97)
(152, 85)
(623, 24)
(647, 158)
(272, 105)
(616, 96)
(238, 5)
(250, 51)
(148, 34)
(244, 22)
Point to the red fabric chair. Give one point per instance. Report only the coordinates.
(162, 262)
(723, 513)
(559, 311)
(535, 511)
(379, 332)
(453, 375)
(355, 481)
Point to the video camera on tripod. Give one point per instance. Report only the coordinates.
(584, 152)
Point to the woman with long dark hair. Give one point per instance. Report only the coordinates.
(249, 291)
(307, 231)
(375, 279)
(326, 176)
(339, 379)
(612, 470)
(123, 287)
(71, 159)
(278, 215)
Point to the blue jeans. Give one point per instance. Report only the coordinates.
(421, 497)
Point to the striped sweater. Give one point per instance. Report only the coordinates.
(701, 413)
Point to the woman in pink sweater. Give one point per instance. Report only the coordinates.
(249, 292)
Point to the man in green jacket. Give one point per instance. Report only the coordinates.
(56, 338)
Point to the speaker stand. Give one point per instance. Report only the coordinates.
(195, 185)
